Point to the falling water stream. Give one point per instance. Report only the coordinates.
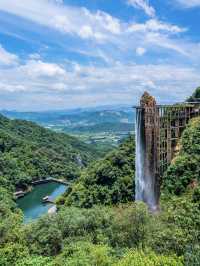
(145, 178)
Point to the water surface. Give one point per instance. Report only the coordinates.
(32, 205)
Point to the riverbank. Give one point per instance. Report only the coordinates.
(43, 181)
(33, 205)
(52, 210)
(21, 193)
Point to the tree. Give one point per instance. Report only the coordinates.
(195, 96)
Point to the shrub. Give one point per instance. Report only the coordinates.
(144, 258)
(85, 254)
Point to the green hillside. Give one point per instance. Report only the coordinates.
(108, 181)
(29, 152)
(122, 234)
(98, 223)
(185, 168)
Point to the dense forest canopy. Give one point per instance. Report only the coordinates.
(30, 152)
(97, 222)
(108, 181)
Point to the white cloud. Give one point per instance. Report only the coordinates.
(140, 51)
(155, 35)
(144, 5)
(76, 83)
(188, 3)
(66, 19)
(100, 27)
(7, 58)
(154, 25)
(37, 68)
(162, 41)
(111, 75)
(32, 75)
(86, 32)
(11, 87)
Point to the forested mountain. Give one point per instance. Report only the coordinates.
(98, 223)
(114, 235)
(28, 151)
(95, 122)
(103, 126)
(108, 181)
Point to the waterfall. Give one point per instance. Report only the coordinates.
(140, 158)
(145, 180)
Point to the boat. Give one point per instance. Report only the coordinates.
(19, 194)
(45, 199)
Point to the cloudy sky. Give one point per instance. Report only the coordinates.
(60, 54)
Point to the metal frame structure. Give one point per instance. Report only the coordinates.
(172, 121)
(164, 125)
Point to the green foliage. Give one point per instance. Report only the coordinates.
(192, 256)
(85, 254)
(185, 168)
(10, 220)
(44, 237)
(29, 152)
(107, 230)
(177, 227)
(34, 261)
(11, 253)
(196, 195)
(191, 137)
(125, 226)
(108, 181)
(144, 258)
(101, 236)
(195, 96)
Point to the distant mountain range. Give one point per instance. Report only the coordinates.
(93, 120)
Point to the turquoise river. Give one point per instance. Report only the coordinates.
(32, 205)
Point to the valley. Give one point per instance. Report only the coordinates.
(98, 221)
(101, 126)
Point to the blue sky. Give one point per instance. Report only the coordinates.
(58, 54)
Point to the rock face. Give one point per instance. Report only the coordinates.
(147, 100)
(147, 180)
(158, 130)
